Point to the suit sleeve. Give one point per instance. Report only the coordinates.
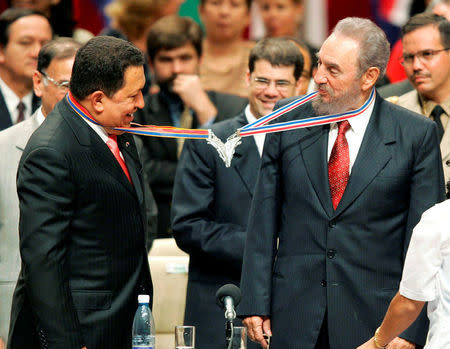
(46, 195)
(194, 222)
(262, 234)
(427, 188)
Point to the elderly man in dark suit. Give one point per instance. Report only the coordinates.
(82, 210)
(211, 202)
(174, 48)
(335, 205)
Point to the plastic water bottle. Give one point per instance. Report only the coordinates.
(143, 333)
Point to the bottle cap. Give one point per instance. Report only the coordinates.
(143, 298)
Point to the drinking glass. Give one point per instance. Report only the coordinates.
(184, 337)
(239, 338)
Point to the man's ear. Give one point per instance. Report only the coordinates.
(369, 78)
(247, 78)
(96, 100)
(38, 84)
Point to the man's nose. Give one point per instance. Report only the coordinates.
(140, 100)
(320, 76)
(177, 66)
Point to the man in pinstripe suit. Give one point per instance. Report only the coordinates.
(82, 211)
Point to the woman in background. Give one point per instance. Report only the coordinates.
(225, 52)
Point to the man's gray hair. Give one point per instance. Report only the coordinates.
(374, 48)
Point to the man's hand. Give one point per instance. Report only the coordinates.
(256, 327)
(400, 343)
(2, 343)
(191, 92)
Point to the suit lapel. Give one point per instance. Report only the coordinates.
(372, 157)
(246, 158)
(5, 117)
(314, 149)
(129, 152)
(88, 137)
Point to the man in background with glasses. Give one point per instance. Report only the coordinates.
(211, 203)
(22, 34)
(50, 82)
(426, 59)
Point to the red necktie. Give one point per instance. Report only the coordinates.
(21, 114)
(338, 165)
(112, 145)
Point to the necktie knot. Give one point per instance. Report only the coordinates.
(343, 126)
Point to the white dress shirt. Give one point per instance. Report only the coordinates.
(354, 135)
(11, 101)
(426, 274)
(259, 138)
(100, 130)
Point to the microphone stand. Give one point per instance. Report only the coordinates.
(229, 332)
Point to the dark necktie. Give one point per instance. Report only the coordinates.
(339, 164)
(436, 114)
(112, 145)
(21, 109)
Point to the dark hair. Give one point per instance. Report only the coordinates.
(100, 66)
(424, 19)
(59, 48)
(247, 2)
(278, 52)
(171, 32)
(11, 15)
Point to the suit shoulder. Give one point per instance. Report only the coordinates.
(23, 129)
(225, 128)
(404, 115)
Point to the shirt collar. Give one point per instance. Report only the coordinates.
(359, 123)
(428, 105)
(40, 116)
(249, 115)
(12, 100)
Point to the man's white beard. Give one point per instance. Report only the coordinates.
(336, 106)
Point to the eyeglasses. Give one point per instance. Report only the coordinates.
(63, 85)
(423, 56)
(280, 85)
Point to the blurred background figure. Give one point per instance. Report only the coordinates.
(305, 80)
(175, 49)
(281, 17)
(59, 13)
(22, 34)
(50, 83)
(225, 52)
(131, 20)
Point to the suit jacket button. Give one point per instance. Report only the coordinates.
(323, 283)
(447, 162)
(332, 223)
(331, 254)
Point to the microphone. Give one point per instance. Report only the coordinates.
(228, 297)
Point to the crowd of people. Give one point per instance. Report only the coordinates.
(334, 229)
